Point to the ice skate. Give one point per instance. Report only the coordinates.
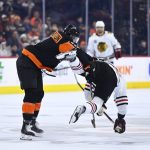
(26, 132)
(35, 128)
(77, 113)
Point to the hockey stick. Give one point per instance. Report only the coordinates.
(107, 116)
(59, 69)
(106, 58)
(44, 71)
(93, 120)
(110, 119)
(78, 82)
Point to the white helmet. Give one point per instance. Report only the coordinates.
(99, 24)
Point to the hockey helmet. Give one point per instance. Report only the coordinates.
(72, 32)
(100, 24)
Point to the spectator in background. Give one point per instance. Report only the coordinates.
(15, 52)
(38, 25)
(7, 7)
(4, 50)
(49, 22)
(19, 25)
(14, 40)
(27, 25)
(24, 40)
(19, 9)
(7, 26)
(142, 48)
(34, 35)
(36, 16)
(54, 27)
(28, 5)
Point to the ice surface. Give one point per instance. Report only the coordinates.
(54, 117)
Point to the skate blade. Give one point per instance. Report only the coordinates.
(73, 118)
(26, 137)
(38, 134)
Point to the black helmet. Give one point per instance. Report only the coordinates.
(72, 32)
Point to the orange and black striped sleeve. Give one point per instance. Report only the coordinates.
(66, 47)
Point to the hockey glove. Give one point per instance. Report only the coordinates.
(120, 124)
(90, 73)
(118, 53)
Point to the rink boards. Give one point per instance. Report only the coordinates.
(136, 71)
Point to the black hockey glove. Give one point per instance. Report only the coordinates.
(120, 124)
(90, 73)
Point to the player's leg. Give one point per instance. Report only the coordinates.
(89, 94)
(33, 96)
(90, 107)
(101, 95)
(121, 101)
(27, 74)
(39, 96)
(28, 106)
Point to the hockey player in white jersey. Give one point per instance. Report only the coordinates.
(105, 78)
(103, 44)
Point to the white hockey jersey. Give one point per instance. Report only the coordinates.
(102, 46)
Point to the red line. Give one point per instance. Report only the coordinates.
(123, 100)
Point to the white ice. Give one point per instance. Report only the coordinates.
(54, 117)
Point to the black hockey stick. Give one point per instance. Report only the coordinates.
(93, 120)
(78, 82)
(44, 71)
(108, 117)
(106, 58)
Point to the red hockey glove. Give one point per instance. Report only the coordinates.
(118, 53)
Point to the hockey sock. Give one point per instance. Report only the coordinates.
(28, 111)
(36, 111)
(93, 106)
(121, 103)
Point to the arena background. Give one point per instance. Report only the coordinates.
(24, 22)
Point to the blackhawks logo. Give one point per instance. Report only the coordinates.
(102, 46)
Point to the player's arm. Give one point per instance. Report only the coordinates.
(73, 60)
(81, 63)
(67, 47)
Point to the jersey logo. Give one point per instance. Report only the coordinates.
(102, 46)
(56, 37)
